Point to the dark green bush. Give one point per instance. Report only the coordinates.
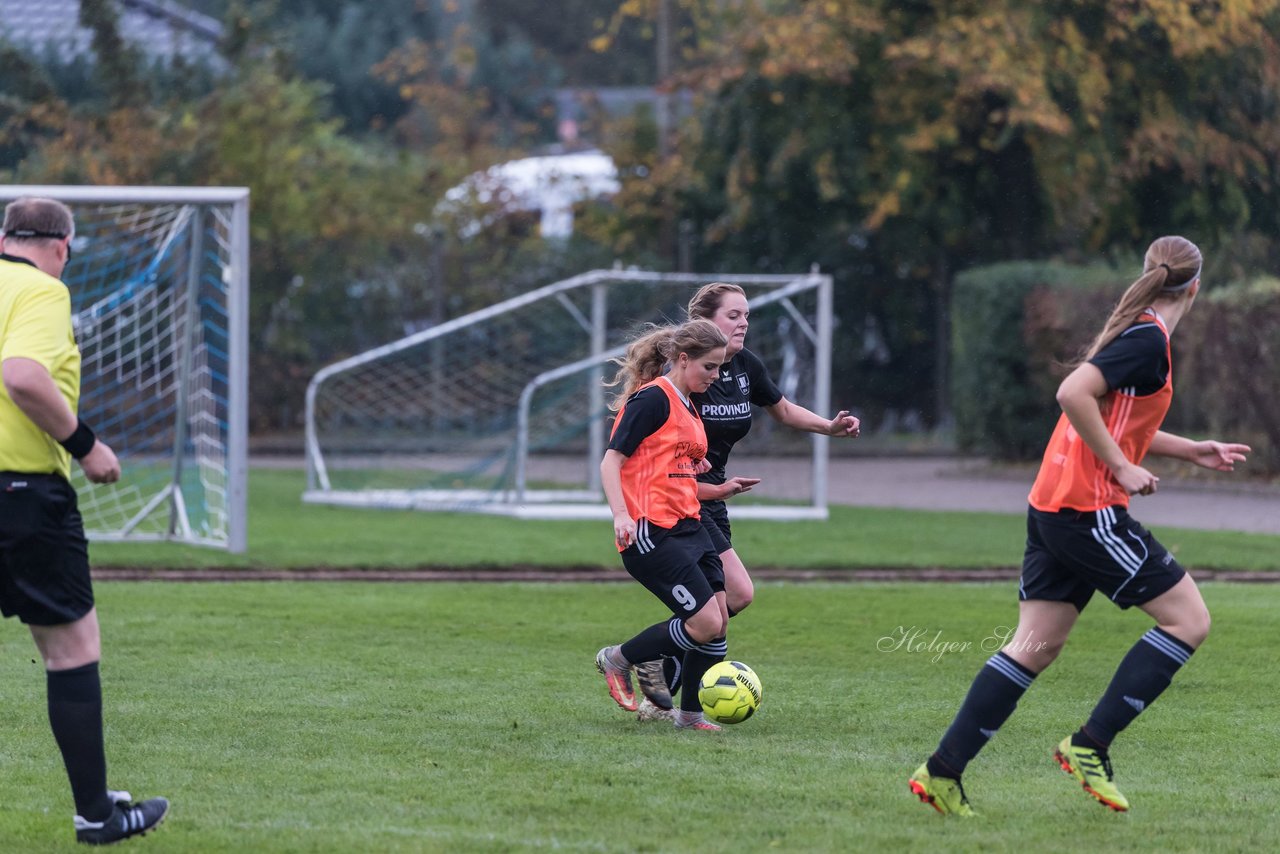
(1018, 327)
(1226, 367)
(1013, 326)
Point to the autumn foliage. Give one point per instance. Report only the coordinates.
(894, 144)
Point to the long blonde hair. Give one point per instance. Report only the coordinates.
(706, 302)
(651, 352)
(1171, 265)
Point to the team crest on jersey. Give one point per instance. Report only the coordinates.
(744, 384)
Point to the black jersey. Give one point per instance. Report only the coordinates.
(725, 407)
(1136, 359)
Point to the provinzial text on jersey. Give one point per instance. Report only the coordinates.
(726, 410)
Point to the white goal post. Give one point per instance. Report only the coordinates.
(504, 410)
(159, 283)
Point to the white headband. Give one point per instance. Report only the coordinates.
(1173, 289)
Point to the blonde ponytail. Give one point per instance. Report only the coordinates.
(1171, 265)
(648, 355)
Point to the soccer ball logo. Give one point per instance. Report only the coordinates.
(729, 692)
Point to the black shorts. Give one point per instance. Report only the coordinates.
(715, 518)
(44, 558)
(678, 565)
(1072, 553)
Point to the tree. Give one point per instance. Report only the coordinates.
(117, 60)
(565, 38)
(340, 44)
(903, 142)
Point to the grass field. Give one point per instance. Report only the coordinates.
(284, 717)
(285, 533)
(341, 717)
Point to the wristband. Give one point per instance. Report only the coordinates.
(80, 442)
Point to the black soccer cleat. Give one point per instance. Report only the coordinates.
(653, 684)
(126, 820)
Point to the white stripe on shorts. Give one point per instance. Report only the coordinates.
(643, 542)
(1121, 552)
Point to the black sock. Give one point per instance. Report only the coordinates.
(671, 670)
(1144, 673)
(75, 714)
(666, 638)
(696, 662)
(991, 700)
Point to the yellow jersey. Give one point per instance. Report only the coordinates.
(35, 324)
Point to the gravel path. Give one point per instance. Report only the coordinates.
(1221, 504)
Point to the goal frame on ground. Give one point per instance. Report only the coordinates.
(234, 202)
(520, 499)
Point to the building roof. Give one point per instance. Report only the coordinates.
(159, 28)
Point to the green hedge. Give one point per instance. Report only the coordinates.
(1012, 326)
(1017, 326)
(1226, 367)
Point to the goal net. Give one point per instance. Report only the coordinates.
(158, 282)
(504, 410)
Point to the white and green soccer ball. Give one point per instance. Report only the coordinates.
(729, 692)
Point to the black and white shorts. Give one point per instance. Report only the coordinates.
(1072, 553)
(44, 557)
(678, 565)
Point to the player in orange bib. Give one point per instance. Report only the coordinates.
(726, 411)
(649, 473)
(1081, 539)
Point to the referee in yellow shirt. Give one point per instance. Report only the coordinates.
(44, 557)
